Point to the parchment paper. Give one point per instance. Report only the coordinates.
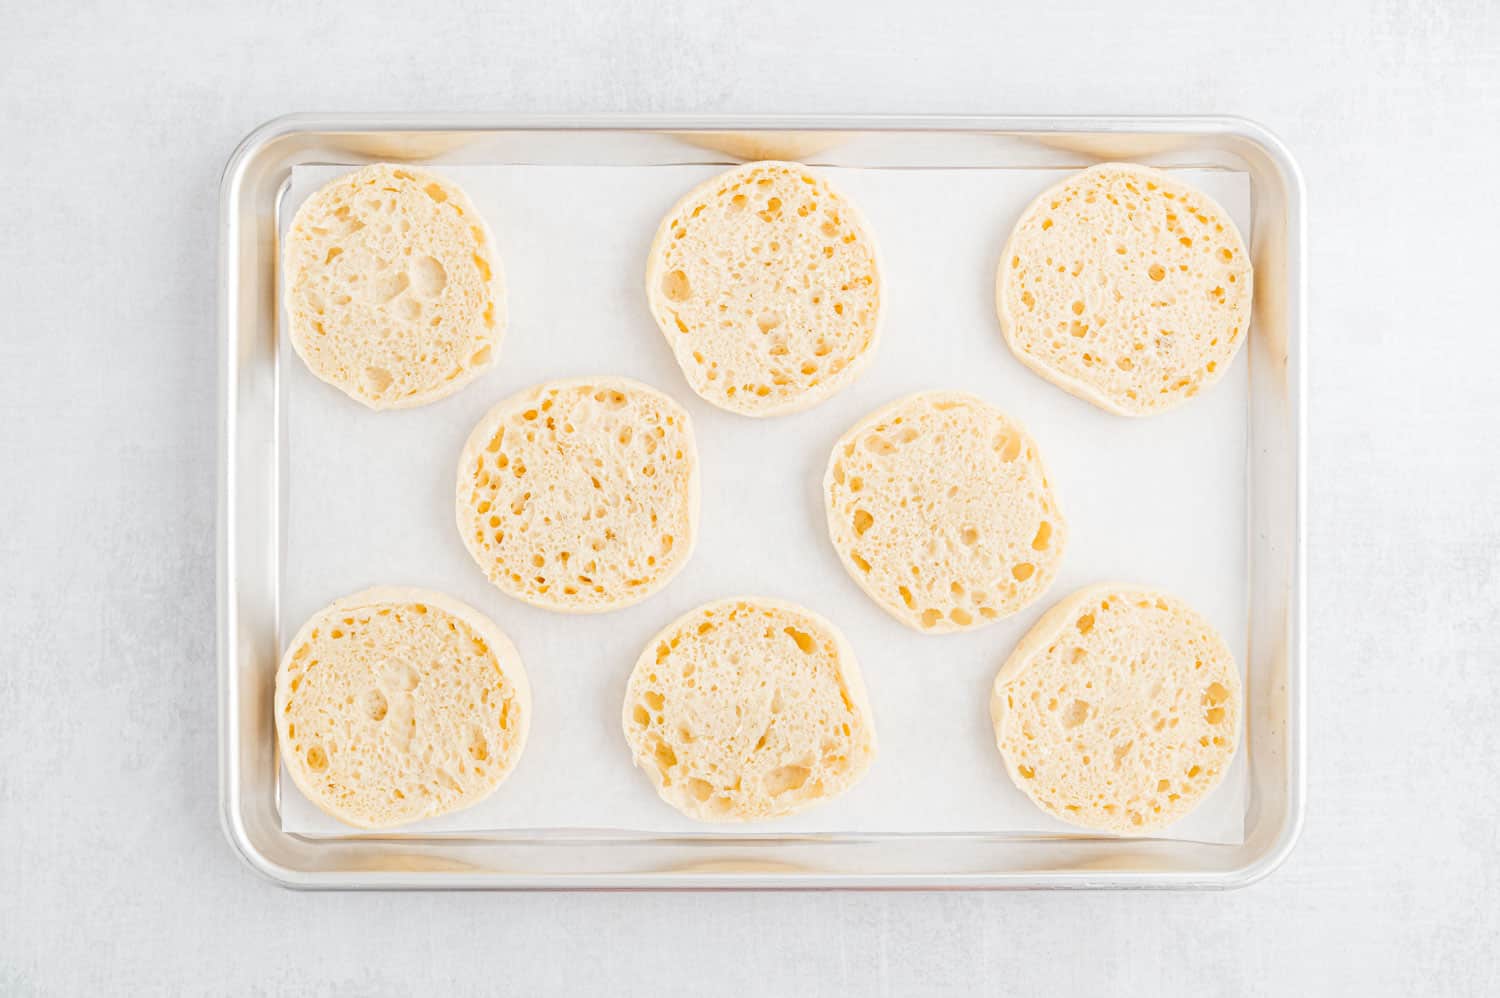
(368, 498)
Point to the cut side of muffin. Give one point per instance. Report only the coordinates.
(394, 705)
(392, 287)
(1125, 287)
(748, 708)
(1119, 711)
(766, 284)
(940, 508)
(580, 495)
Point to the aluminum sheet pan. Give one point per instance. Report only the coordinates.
(864, 847)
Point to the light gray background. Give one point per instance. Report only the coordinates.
(114, 124)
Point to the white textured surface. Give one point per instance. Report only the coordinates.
(114, 124)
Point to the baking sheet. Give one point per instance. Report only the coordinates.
(367, 499)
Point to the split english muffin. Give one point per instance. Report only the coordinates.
(395, 704)
(580, 495)
(766, 284)
(392, 286)
(1125, 287)
(1119, 711)
(940, 508)
(749, 708)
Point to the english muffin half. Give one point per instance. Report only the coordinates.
(748, 708)
(766, 283)
(580, 495)
(392, 287)
(1125, 287)
(394, 705)
(941, 510)
(1119, 711)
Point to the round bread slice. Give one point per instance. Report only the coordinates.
(940, 508)
(1125, 287)
(581, 495)
(766, 283)
(394, 705)
(392, 286)
(748, 708)
(1119, 711)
